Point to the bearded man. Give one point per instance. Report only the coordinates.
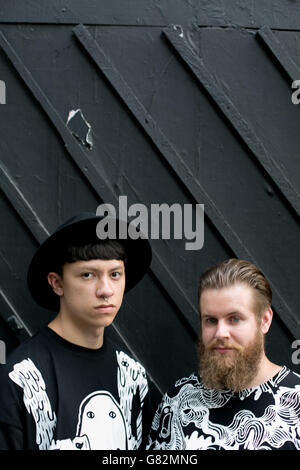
(239, 399)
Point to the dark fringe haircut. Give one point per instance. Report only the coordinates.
(106, 250)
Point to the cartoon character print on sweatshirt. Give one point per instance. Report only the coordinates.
(100, 426)
(103, 423)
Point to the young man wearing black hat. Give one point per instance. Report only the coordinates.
(69, 386)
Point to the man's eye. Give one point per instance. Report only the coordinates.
(210, 321)
(235, 319)
(87, 275)
(116, 274)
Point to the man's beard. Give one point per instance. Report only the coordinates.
(233, 370)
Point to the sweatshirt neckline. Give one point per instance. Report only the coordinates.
(76, 348)
(268, 384)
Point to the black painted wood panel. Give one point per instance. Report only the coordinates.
(188, 104)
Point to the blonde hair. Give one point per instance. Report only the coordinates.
(233, 271)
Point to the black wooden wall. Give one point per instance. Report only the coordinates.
(188, 102)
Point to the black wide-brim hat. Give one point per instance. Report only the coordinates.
(79, 231)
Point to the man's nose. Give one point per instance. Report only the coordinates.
(104, 288)
(222, 330)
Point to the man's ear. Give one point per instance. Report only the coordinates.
(266, 320)
(56, 282)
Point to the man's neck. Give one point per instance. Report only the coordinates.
(266, 371)
(89, 338)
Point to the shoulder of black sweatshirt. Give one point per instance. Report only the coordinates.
(59, 395)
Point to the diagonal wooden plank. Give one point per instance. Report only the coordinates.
(21, 205)
(95, 179)
(272, 43)
(86, 166)
(177, 39)
(38, 230)
(178, 165)
(12, 318)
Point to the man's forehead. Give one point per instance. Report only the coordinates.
(100, 264)
(235, 297)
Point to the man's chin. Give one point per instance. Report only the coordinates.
(215, 373)
(233, 369)
(221, 357)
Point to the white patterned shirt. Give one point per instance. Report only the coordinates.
(192, 416)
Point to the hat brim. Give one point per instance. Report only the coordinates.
(79, 231)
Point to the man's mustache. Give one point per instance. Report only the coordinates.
(223, 344)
